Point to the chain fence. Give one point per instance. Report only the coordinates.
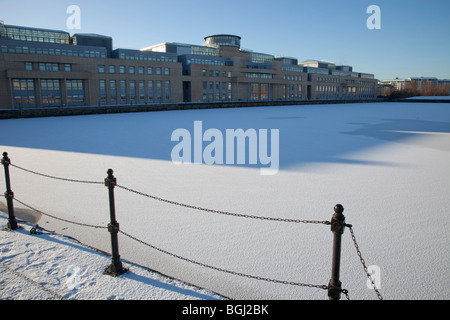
(214, 211)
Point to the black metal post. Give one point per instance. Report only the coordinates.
(9, 195)
(116, 268)
(337, 227)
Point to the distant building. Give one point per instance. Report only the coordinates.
(396, 84)
(50, 68)
(402, 84)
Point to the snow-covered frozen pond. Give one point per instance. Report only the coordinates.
(388, 164)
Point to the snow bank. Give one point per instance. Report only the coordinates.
(49, 266)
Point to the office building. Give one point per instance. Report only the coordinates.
(42, 68)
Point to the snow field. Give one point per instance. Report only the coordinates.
(386, 163)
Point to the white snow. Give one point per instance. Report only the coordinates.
(49, 266)
(430, 97)
(386, 163)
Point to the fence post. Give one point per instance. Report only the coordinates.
(116, 268)
(9, 195)
(337, 227)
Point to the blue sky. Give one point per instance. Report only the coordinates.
(413, 39)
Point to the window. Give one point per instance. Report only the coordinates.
(101, 68)
(204, 73)
(24, 93)
(149, 70)
(122, 69)
(140, 70)
(123, 91)
(75, 93)
(131, 70)
(112, 92)
(48, 66)
(167, 91)
(67, 67)
(158, 71)
(141, 91)
(28, 66)
(102, 91)
(132, 84)
(159, 94)
(151, 98)
(166, 71)
(50, 93)
(112, 69)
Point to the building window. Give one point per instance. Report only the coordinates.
(149, 70)
(205, 91)
(132, 84)
(204, 73)
(166, 71)
(50, 93)
(140, 70)
(122, 69)
(141, 91)
(159, 93)
(102, 92)
(131, 70)
(112, 92)
(48, 66)
(24, 93)
(112, 69)
(101, 68)
(75, 93)
(67, 67)
(158, 71)
(150, 91)
(123, 91)
(28, 66)
(167, 92)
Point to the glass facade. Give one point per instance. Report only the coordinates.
(223, 40)
(75, 93)
(259, 91)
(261, 57)
(51, 93)
(34, 35)
(102, 92)
(24, 93)
(112, 92)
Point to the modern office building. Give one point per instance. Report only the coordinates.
(50, 68)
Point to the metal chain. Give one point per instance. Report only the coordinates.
(222, 212)
(178, 203)
(344, 291)
(57, 218)
(324, 287)
(363, 262)
(56, 178)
